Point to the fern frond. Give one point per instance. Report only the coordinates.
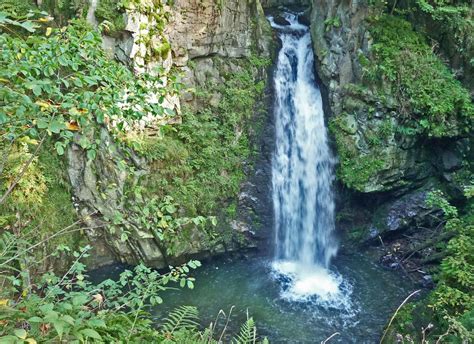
(247, 334)
(182, 318)
(8, 248)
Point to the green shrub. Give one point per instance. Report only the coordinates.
(200, 162)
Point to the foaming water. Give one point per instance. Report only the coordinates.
(302, 176)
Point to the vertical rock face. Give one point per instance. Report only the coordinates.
(377, 160)
(206, 28)
(200, 31)
(339, 35)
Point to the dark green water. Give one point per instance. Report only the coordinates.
(371, 296)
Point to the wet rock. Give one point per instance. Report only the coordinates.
(241, 227)
(281, 20)
(427, 281)
(406, 211)
(451, 161)
(373, 232)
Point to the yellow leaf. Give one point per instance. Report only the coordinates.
(72, 125)
(28, 140)
(3, 302)
(45, 19)
(48, 31)
(31, 341)
(43, 104)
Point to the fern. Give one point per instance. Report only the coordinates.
(8, 246)
(182, 318)
(247, 334)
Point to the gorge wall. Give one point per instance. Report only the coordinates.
(387, 162)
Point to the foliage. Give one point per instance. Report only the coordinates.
(112, 12)
(59, 87)
(16, 9)
(65, 10)
(200, 162)
(431, 100)
(70, 308)
(159, 217)
(453, 294)
(40, 204)
(61, 82)
(184, 317)
(334, 22)
(447, 313)
(453, 13)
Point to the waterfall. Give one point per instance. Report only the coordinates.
(302, 170)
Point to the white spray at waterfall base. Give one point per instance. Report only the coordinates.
(302, 176)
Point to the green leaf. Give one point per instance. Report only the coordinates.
(97, 323)
(55, 126)
(20, 333)
(62, 60)
(68, 319)
(170, 208)
(29, 26)
(37, 90)
(190, 285)
(91, 153)
(59, 148)
(78, 82)
(41, 123)
(59, 327)
(46, 308)
(8, 340)
(91, 333)
(79, 300)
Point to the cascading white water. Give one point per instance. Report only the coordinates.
(302, 171)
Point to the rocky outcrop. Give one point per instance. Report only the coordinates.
(200, 29)
(210, 34)
(339, 36)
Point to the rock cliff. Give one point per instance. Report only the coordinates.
(378, 160)
(205, 41)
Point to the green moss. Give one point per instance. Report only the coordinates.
(356, 170)
(112, 12)
(231, 210)
(357, 234)
(431, 101)
(163, 49)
